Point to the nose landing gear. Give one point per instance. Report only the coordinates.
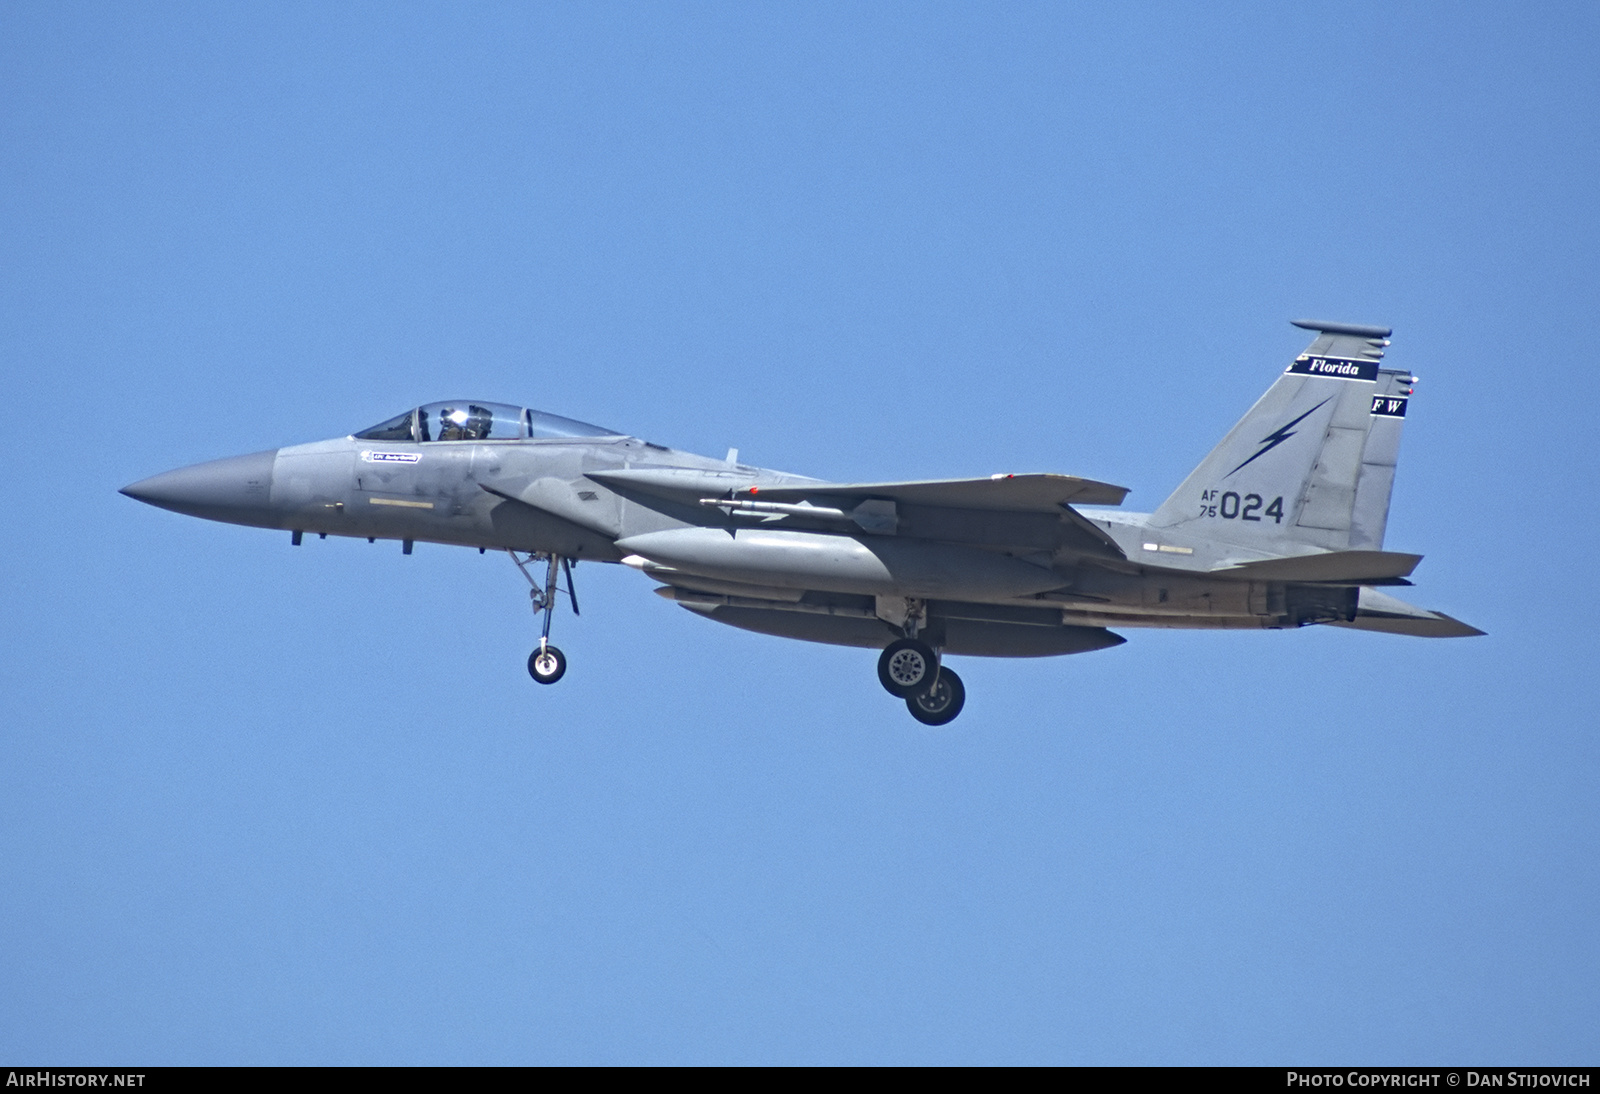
(547, 664)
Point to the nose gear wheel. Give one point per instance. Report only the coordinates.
(547, 664)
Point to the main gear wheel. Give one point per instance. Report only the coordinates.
(939, 704)
(906, 667)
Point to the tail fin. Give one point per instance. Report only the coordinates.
(1313, 461)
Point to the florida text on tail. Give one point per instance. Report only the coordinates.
(1280, 526)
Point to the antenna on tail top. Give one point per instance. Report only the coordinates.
(1343, 328)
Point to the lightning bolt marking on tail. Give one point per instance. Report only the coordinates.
(1278, 436)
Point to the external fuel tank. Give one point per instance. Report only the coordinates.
(870, 565)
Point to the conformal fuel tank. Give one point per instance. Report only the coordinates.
(876, 565)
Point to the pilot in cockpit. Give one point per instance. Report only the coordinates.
(479, 422)
(453, 425)
(472, 424)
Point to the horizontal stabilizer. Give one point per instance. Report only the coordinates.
(1009, 493)
(1438, 625)
(1381, 612)
(1346, 567)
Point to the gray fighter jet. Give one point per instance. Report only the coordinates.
(1280, 526)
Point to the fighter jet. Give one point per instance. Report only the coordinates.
(1280, 526)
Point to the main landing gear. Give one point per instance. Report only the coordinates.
(909, 669)
(546, 664)
(941, 702)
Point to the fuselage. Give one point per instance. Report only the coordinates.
(549, 495)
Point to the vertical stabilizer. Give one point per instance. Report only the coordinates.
(1313, 461)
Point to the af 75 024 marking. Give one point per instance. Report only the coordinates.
(1230, 506)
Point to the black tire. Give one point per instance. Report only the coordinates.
(939, 705)
(906, 666)
(549, 668)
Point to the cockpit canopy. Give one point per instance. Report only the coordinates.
(463, 420)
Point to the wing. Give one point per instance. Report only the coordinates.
(1011, 512)
(1013, 493)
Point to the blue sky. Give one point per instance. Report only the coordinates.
(277, 805)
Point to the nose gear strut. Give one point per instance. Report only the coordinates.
(547, 664)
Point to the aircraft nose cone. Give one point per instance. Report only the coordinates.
(236, 489)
